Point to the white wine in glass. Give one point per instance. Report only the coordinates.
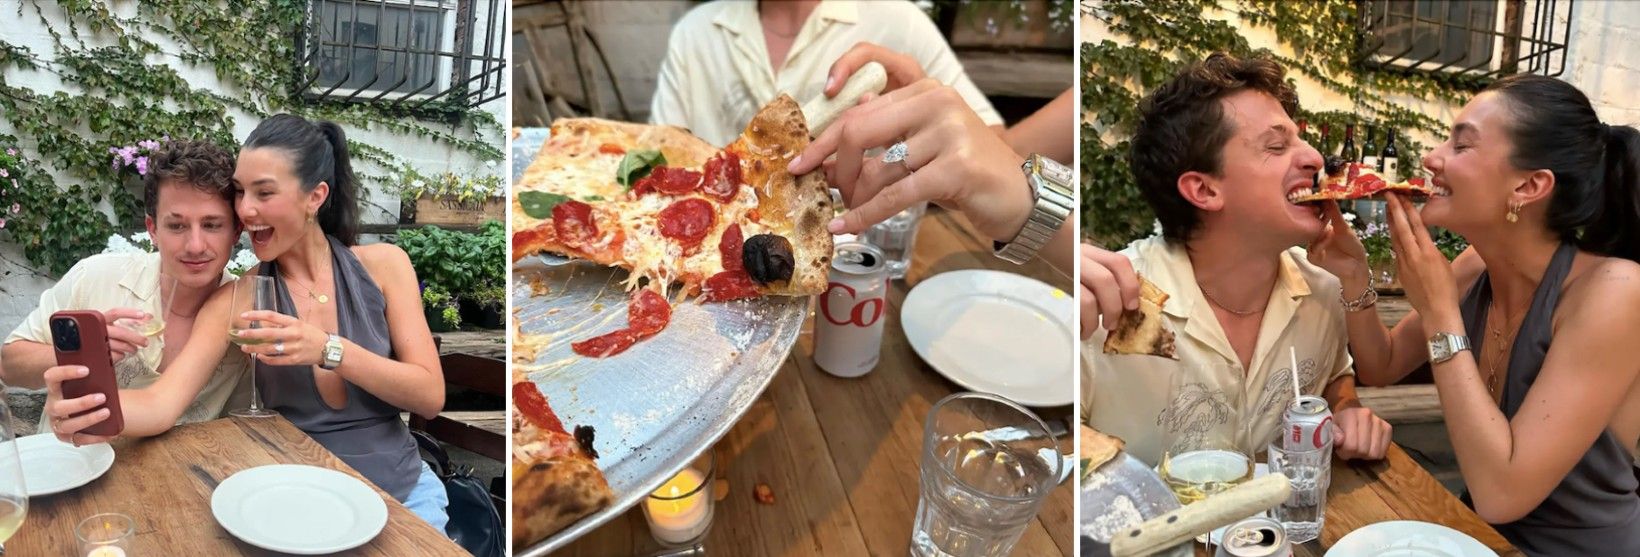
(154, 324)
(13, 494)
(251, 292)
(1199, 474)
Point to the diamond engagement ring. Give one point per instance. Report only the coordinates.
(279, 348)
(896, 153)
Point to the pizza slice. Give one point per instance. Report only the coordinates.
(1143, 331)
(727, 224)
(1359, 181)
(555, 477)
(1094, 449)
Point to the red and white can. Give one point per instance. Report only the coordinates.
(848, 324)
(1255, 537)
(1307, 424)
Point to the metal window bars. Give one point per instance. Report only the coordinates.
(1465, 37)
(411, 54)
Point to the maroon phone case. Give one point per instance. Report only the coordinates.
(93, 354)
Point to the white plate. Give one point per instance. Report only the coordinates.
(995, 332)
(51, 466)
(1408, 538)
(298, 509)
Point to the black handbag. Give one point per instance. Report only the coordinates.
(475, 524)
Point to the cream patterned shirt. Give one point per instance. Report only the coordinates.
(114, 280)
(716, 74)
(1152, 402)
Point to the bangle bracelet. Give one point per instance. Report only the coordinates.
(1366, 300)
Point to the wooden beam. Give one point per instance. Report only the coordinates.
(1403, 404)
(1018, 74)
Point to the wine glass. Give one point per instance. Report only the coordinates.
(154, 324)
(254, 292)
(13, 494)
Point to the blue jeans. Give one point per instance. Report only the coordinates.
(428, 499)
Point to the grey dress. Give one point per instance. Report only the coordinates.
(367, 432)
(1596, 508)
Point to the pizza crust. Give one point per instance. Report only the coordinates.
(796, 207)
(1143, 332)
(551, 495)
(1095, 448)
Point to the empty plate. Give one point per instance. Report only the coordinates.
(52, 466)
(1408, 538)
(995, 332)
(299, 509)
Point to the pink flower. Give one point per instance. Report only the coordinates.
(142, 166)
(4, 174)
(12, 152)
(16, 208)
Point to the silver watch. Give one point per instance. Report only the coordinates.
(333, 353)
(1051, 190)
(1443, 346)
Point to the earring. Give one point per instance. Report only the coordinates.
(1513, 214)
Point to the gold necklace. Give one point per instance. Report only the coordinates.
(321, 298)
(1503, 348)
(1221, 306)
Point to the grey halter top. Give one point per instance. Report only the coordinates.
(367, 432)
(1596, 509)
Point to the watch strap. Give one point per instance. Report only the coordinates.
(1054, 202)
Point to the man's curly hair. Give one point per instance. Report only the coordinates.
(1182, 128)
(198, 164)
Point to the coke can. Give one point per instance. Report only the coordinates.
(1307, 425)
(848, 325)
(1254, 537)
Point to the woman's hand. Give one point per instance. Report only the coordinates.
(288, 341)
(952, 158)
(902, 70)
(1424, 271)
(1337, 249)
(1108, 287)
(64, 415)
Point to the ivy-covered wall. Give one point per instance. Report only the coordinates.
(82, 79)
(1130, 47)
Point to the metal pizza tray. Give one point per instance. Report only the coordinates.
(661, 403)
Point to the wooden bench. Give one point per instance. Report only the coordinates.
(1403, 404)
(482, 432)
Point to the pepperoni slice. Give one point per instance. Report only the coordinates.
(668, 180)
(648, 313)
(729, 285)
(723, 177)
(572, 220)
(687, 221)
(531, 240)
(729, 248)
(533, 406)
(608, 344)
(611, 149)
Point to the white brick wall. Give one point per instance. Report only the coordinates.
(1603, 60)
(20, 286)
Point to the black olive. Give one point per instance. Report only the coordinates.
(1335, 165)
(583, 437)
(768, 258)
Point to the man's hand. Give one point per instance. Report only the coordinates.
(1361, 435)
(123, 342)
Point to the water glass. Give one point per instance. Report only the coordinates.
(897, 237)
(1310, 472)
(987, 466)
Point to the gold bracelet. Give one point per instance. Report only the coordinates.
(1367, 300)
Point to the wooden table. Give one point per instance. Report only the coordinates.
(1395, 488)
(164, 483)
(842, 454)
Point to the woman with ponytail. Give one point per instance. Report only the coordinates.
(1531, 332)
(348, 349)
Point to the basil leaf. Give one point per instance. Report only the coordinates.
(593, 198)
(637, 164)
(539, 204)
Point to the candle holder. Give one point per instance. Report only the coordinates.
(680, 511)
(105, 535)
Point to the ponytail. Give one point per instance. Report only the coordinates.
(339, 216)
(318, 153)
(1596, 200)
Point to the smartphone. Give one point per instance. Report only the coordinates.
(81, 339)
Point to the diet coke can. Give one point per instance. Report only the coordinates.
(1254, 537)
(1307, 425)
(848, 325)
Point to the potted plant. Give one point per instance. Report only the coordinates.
(440, 309)
(449, 198)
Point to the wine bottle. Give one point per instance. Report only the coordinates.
(1348, 152)
(1369, 150)
(1389, 160)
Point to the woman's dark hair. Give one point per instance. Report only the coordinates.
(1182, 128)
(318, 153)
(1596, 201)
